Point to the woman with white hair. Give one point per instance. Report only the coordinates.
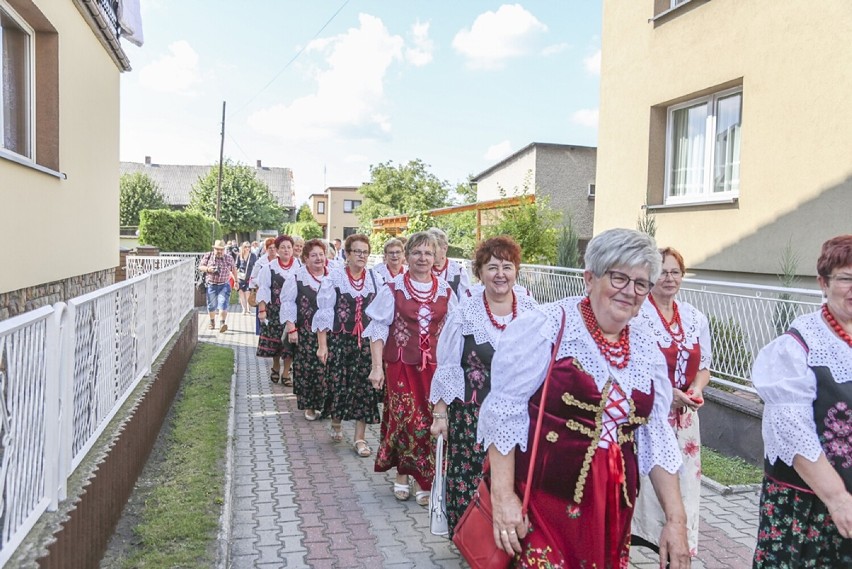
(392, 259)
(607, 401)
(451, 271)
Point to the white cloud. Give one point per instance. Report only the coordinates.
(498, 151)
(177, 72)
(585, 117)
(420, 52)
(592, 63)
(554, 49)
(497, 36)
(349, 98)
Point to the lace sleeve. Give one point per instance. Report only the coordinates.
(448, 381)
(264, 280)
(288, 300)
(787, 386)
(517, 371)
(704, 341)
(381, 312)
(656, 443)
(326, 300)
(464, 282)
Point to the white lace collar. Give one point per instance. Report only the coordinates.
(652, 324)
(275, 266)
(399, 284)
(340, 280)
(475, 321)
(825, 349)
(306, 278)
(452, 270)
(578, 343)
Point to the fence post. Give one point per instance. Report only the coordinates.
(68, 335)
(53, 356)
(148, 319)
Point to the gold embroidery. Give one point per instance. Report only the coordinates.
(578, 365)
(552, 436)
(569, 399)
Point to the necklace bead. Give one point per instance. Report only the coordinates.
(357, 284)
(677, 336)
(835, 325)
(616, 353)
(494, 322)
(422, 298)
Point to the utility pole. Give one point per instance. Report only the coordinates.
(221, 153)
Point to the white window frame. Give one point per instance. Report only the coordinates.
(708, 196)
(321, 207)
(592, 189)
(29, 157)
(352, 206)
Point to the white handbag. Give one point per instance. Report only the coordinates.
(438, 497)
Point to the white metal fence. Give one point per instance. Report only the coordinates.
(65, 370)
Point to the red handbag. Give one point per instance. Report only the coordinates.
(474, 532)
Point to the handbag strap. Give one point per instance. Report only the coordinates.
(541, 415)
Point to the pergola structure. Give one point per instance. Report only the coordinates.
(396, 224)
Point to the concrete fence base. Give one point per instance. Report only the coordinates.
(731, 425)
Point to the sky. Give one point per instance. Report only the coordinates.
(328, 88)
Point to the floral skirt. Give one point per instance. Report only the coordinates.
(352, 395)
(406, 442)
(796, 531)
(648, 518)
(464, 459)
(271, 343)
(310, 375)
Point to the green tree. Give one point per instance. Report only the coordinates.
(532, 225)
(304, 229)
(305, 214)
(183, 231)
(568, 247)
(394, 190)
(137, 192)
(246, 203)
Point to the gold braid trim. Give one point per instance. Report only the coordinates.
(595, 435)
(569, 399)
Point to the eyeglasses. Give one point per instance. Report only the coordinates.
(393, 253)
(620, 281)
(359, 252)
(675, 274)
(841, 281)
(422, 254)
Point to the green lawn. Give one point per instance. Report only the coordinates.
(180, 517)
(727, 470)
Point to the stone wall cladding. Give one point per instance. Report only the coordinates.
(23, 300)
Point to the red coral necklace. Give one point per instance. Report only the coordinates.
(316, 280)
(616, 353)
(679, 336)
(288, 265)
(421, 297)
(442, 272)
(496, 324)
(832, 321)
(357, 284)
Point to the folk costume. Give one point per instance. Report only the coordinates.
(270, 282)
(383, 270)
(298, 305)
(685, 342)
(408, 316)
(805, 380)
(455, 274)
(463, 380)
(605, 425)
(342, 303)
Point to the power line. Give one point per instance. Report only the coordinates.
(294, 58)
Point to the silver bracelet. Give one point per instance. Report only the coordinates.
(439, 415)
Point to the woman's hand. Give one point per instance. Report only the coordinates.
(439, 420)
(322, 353)
(377, 377)
(696, 396)
(293, 336)
(674, 546)
(681, 400)
(510, 527)
(841, 513)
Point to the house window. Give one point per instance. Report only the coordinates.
(16, 83)
(350, 205)
(591, 191)
(347, 231)
(320, 207)
(703, 148)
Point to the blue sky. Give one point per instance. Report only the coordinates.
(459, 85)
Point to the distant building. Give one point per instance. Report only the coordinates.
(563, 173)
(175, 180)
(738, 142)
(335, 210)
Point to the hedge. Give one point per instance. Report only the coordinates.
(177, 231)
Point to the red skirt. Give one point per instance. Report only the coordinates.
(407, 416)
(594, 533)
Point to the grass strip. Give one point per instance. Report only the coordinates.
(728, 470)
(180, 518)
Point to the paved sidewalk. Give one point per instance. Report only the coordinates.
(299, 500)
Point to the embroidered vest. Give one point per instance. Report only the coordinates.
(306, 305)
(833, 417)
(693, 356)
(404, 342)
(454, 283)
(346, 310)
(476, 365)
(275, 286)
(571, 430)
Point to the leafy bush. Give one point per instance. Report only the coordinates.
(137, 192)
(305, 229)
(177, 231)
(568, 247)
(378, 240)
(731, 356)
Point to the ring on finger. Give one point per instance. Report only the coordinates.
(503, 531)
(513, 532)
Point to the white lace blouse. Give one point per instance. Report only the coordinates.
(520, 364)
(338, 280)
(783, 379)
(383, 308)
(382, 269)
(449, 273)
(264, 278)
(290, 290)
(468, 319)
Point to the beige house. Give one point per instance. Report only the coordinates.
(59, 150)
(334, 210)
(563, 173)
(731, 120)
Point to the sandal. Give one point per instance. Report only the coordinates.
(422, 497)
(212, 326)
(274, 376)
(336, 432)
(311, 415)
(401, 491)
(287, 381)
(362, 449)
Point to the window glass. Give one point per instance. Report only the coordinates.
(320, 207)
(15, 86)
(350, 205)
(726, 169)
(687, 160)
